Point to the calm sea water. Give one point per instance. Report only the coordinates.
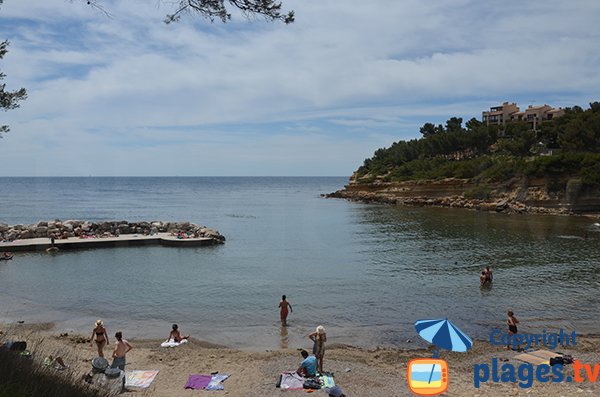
(366, 272)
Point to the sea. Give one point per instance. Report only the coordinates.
(366, 272)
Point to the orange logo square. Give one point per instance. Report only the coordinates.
(427, 376)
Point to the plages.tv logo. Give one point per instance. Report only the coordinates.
(429, 376)
(537, 364)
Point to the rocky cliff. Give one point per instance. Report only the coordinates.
(518, 195)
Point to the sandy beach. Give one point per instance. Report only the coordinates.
(359, 372)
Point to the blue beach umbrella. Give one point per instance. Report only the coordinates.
(443, 334)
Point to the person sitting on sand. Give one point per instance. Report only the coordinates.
(283, 310)
(175, 336)
(308, 366)
(101, 337)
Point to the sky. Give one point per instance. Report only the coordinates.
(120, 93)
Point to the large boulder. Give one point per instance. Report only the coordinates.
(26, 234)
(41, 231)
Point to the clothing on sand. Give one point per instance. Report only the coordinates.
(216, 383)
(291, 381)
(198, 382)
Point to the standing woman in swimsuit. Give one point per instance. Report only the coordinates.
(283, 310)
(319, 337)
(101, 336)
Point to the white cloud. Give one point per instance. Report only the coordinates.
(378, 68)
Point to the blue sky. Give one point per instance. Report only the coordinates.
(126, 94)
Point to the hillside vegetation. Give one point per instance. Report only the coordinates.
(561, 149)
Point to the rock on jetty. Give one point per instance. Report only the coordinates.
(77, 228)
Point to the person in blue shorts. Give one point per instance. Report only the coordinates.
(308, 366)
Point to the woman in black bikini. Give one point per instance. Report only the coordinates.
(101, 337)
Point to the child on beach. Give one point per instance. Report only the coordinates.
(283, 310)
(175, 335)
(512, 325)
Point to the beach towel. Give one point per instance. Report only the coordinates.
(172, 343)
(531, 359)
(291, 381)
(326, 381)
(198, 382)
(545, 354)
(216, 383)
(141, 379)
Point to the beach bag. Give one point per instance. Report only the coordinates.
(18, 346)
(112, 372)
(312, 383)
(567, 359)
(99, 364)
(557, 361)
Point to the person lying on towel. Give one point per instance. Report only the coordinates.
(308, 366)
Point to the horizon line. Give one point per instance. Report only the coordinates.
(174, 176)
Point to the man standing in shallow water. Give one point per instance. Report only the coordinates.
(122, 347)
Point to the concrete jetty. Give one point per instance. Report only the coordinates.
(123, 240)
(74, 234)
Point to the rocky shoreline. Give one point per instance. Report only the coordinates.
(85, 229)
(516, 197)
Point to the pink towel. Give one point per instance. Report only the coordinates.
(198, 381)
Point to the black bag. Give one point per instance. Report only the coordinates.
(312, 383)
(19, 346)
(557, 361)
(567, 359)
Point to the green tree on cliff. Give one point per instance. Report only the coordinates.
(580, 131)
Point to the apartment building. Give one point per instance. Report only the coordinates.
(500, 114)
(509, 112)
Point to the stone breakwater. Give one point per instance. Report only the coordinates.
(514, 196)
(84, 229)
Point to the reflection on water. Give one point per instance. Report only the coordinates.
(283, 333)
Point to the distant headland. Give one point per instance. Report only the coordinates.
(542, 160)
